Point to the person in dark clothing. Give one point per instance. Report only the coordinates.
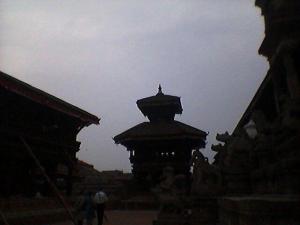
(89, 209)
(100, 199)
(85, 208)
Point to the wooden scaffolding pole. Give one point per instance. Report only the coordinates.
(52, 185)
(3, 218)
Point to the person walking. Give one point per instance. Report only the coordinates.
(100, 199)
(88, 208)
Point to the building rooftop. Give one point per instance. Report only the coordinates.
(34, 94)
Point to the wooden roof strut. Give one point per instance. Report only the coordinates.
(3, 218)
(52, 185)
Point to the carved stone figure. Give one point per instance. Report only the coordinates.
(171, 195)
(171, 184)
(225, 137)
(218, 147)
(206, 177)
(221, 149)
(167, 180)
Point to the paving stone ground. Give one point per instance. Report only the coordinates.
(125, 217)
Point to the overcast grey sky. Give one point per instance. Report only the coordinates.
(104, 55)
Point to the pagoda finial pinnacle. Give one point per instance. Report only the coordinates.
(159, 89)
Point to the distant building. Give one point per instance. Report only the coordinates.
(87, 178)
(162, 142)
(113, 182)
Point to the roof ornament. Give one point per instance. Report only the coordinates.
(159, 89)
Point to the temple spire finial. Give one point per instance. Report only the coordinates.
(159, 89)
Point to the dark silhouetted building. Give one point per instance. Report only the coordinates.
(49, 126)
(162, 142)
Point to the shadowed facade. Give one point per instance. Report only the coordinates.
(50, 127)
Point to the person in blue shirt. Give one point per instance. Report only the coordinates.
(88, 208)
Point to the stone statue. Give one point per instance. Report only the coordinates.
(221, 149)
(206, 178)
(167, 180)
(218, 148)
(171, 184)
(171, 193)
(225, 137)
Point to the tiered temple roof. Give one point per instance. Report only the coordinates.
(162, 142)
(160, 110)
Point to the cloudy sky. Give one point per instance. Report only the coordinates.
(103, 55)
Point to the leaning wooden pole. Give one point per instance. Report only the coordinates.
(3, 218)
(52, 185)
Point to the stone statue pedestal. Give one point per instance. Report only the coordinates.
(193, 211)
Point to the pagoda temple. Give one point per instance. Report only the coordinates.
(162, 142)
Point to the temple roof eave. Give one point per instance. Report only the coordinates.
(161, 131)
(144, 108)
(158, 101)
(45, 99)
